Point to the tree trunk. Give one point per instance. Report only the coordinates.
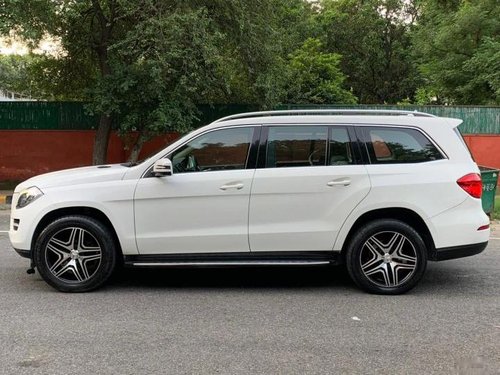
(104, 129)
(101, 140)
(103, 132)
(136, 150)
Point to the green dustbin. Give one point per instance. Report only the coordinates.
(489, 176)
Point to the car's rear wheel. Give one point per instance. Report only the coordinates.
(75, 254)
(386, 257)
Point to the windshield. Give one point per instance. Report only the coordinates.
(134, 163)
(154, 152)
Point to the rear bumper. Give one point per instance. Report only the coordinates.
(454, 252)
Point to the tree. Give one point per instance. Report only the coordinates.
(457, 45)
(13, 74)
(160, 69)
(44, 77)
(373, 37)
(315, 77)
(178, 55)
(86, 30)
(258, 37)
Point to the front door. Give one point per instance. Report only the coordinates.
(203, 206)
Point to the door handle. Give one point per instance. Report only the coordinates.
(344, 182)
(232, 185)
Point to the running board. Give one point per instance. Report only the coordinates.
(267, 259)
(229, 264)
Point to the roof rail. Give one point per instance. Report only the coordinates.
(389, 112)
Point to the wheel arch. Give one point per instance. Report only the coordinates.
(77, 210)
(405, 215)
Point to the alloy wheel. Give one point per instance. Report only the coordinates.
(73, 255)
(388, 259)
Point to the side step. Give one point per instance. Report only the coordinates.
(265, 259)
(229, 263)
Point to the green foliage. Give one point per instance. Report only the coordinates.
(373, 38)
(484, 67)
(258, 36)
(425, 96)
(459, 50)
(315, 77)
(44, 77)
(155, 82)
(30, 19)
(13, 74)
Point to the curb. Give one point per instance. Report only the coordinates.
(5, 199)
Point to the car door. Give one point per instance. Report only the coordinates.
(308, 180)
(203, 206)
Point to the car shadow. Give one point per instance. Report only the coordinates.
(443, 279)
(238, 277)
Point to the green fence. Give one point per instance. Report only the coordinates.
(45, 116)
(72, 116)
(477, 120)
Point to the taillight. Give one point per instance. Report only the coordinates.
(472, 184)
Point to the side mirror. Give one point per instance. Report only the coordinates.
(162, 167)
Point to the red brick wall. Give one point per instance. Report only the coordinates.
(485, 148)
(26, 153)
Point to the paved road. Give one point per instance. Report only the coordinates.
(292, 321)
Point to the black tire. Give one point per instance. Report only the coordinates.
(371, 265)
(90, 263)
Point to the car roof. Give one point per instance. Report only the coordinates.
(350, 117)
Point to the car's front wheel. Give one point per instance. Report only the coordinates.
(386, 257)
(75, 254)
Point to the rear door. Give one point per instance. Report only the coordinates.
(309, 178)
(405, 162)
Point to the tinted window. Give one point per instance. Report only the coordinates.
(340, 147)
(214, 151)
(397, 145)
(296, 146)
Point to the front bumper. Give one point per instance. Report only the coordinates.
(24, 253)
(454, 252)
(23, 223)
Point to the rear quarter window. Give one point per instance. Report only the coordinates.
(462, 140)
(388, 145)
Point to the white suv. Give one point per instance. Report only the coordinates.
(381, 191)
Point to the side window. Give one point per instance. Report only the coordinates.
(340, 147)
(223, 149)
(296, 146)
(398, 145)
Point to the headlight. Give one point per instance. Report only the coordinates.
(27, 196)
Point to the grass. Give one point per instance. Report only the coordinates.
(496, 211)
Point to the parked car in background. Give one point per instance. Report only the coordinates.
(382, 192)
